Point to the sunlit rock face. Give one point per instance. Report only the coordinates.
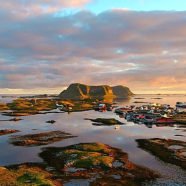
(81, 91)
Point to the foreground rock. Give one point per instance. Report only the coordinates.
(97, 162)
(80, 91)
(26, 174)
(105, 121)
(8, 131)
(168, 150)
(44, 138)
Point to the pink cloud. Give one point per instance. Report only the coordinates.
(22, 9)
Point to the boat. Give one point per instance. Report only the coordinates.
(122, 110)
(102, 107)
(148, 119)
(164, 120)
(181, 104)
(59, 106)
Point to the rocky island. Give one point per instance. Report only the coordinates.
(80, 91)
(77, 97)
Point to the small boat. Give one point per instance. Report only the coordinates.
(59, 106)
(102, 107)
(122, 110)
(148, 119)
(181, 104)
(164, 120)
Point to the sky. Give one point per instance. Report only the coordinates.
(46, 45)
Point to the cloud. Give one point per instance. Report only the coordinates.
(24, 8)
(144, 50)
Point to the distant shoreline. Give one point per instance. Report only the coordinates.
(57, 94)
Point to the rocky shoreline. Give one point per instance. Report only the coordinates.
(98, 163)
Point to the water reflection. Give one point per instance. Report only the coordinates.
(122, 137)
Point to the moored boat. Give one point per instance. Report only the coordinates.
(181, 104)
(122, 110)
(164, 120)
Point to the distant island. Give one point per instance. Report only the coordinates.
(82, 91)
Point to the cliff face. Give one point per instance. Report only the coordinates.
(121, 91)
(81, 91)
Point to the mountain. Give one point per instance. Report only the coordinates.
(81, 91)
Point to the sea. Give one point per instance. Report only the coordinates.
(123, 138)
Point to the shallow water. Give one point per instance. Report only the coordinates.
(123, 138)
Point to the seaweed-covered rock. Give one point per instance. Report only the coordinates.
(105, 121)
(51, 121)
(3, 106)
(7, 131)
(39, 138)
(25, 175)
(168, 150)
(97, 162)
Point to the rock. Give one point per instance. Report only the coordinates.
(105, 121)
(51, 121)
(44, 138)
(96, 162)
(26, 175)
(8, 131)
(168, 150)
(15, 119)
(3, 169)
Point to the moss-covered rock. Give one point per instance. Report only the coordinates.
(27, 106)
(95, 161)
(32, 105)
(7, 131)
(44, 138)
(105, 121)
(168, 150)
(25, 175)
(3, 106)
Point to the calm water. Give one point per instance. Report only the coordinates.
(124, 138)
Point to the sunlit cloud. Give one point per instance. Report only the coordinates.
(22, 8)
(143, 50)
